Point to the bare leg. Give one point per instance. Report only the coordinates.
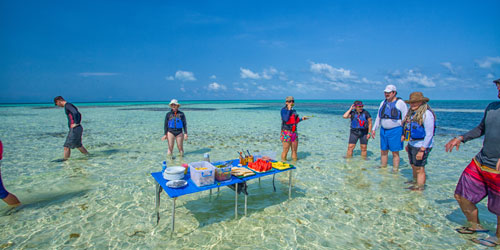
(470, 211)
(395, 161)
(12, 200)
(83, 150)
(364, 151)
(67, 153)
(350, 148)
(498, 227)
(384, 155)
(414, 171)
(295, 146)
(171, 142)
(286, 147)
(180, 142)
(420, 171)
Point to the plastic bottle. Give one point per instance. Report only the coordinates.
(163, 166)
(206, 157)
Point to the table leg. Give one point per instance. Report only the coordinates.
(274, 186)
(289, 184)
(157, 202)
(246, 195)
(173, 216)
(236, 202)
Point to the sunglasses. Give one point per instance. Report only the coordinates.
(291, 101)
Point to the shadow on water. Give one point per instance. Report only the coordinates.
(219, 207)
(302, 155)
(44, 200)
(198, 151)
(357, 152)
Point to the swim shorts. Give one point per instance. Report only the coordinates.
(390, 139)
(358, 134)
(74, 138)
(478, 182)
(412, 156)
(175, 132)
(3, 191)
(288, 136)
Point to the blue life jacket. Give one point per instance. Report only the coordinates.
(359, 121)
(389, 111)
(175, 122)
(417, 131)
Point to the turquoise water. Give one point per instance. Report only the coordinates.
(107, 200)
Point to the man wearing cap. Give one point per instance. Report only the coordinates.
(481, 177)
(361, 124)
(74, 138)
(389, 116)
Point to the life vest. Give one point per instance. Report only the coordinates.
(359, 121)
(417, 131)
(389, 110)
(175, 122)
(291, 124)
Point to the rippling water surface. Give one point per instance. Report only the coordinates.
(107, 199)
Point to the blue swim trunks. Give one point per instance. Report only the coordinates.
(3, 192)
(390, 139)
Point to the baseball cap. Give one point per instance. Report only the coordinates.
(390, 88)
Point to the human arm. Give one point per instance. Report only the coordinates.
(498, 165)
(377, 120)
(184, 123)
(370, 124)
(74, 117)
(472, 134)
(165, 127)
(401, 105)
(429, 122)
(347, 114)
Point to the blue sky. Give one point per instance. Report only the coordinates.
(204, 50)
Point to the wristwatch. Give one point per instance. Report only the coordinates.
(460, 138)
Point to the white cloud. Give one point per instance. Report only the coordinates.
(216, 87)
(246, 73)
(266, 74)
(86, 74)
(184, 75)
(490, 76)
(183, 89)
(410, 76)
(449, 66)
(169, 78)
(333, 74)
(213, 77)
(261, 88)
(488, 62)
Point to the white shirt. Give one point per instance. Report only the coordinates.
(390, 123)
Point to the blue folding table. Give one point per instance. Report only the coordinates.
(192, 188)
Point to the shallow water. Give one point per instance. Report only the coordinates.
(107, 199)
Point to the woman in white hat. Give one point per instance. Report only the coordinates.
(418, 127)
(175, 123)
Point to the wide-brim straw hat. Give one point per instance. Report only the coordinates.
(174, 102)
(417, 97)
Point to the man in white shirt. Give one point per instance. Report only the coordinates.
(389, 116)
